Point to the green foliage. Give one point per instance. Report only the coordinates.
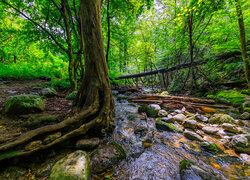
(60, 84)
(231, 97)
(184, 164)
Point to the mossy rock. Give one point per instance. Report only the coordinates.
(247, 109)
(231, 97)
(24, 104)
(212, 147)
(163, 126)
(185, 164)
(106, 156)
(119, 98)
(142, 109)
(72, 95)
(75, 166)
(221, 118)
(9, 155)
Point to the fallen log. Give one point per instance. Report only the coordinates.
(182, 66)
(177, 98)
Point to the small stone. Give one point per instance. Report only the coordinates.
(49, 92)
(179, 118)
(192, 135)
(162, 113)
(177, 111)
(12, 92)
(33, 145)
(211, 147)
(167, 119)
(50, 138)
(200, 125)
(245, 158)
(189, 124)
(199, 117)
(210, 130)
(245, 116)
(230, 128)
(74, 166)
(221, 118)
(37, 88)
(88, 144)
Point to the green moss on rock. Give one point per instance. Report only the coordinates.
(72, 95)
(24, 104)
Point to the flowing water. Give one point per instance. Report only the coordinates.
(159, 158)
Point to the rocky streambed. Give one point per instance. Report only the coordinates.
(149, 142)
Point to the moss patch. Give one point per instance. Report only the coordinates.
(9, 155)
(184, 164)
(234, 98)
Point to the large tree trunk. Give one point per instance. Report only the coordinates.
(243, 41)
(95, 96)
(96, 86)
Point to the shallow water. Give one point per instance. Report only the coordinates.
(160, 159)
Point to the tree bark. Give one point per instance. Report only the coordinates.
(108, 40)
(243, 41)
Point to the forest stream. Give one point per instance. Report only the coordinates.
(151, 153)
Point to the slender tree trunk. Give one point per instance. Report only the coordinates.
(243, 41)
(71, 71)
(15, 58)
(108, 36)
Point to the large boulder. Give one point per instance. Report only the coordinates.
(190, 171)
(49, 92)
(162, 113)
(164, 126)
(24, 104)
(221, 118)
(241, 143)
(106, 156)
(75, 166)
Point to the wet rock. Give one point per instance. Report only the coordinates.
(189, 124)
(177, 111)
(106, 156)
(162, 113)
(201, 118)
(24, 104)
(35, 93)
(179, 118)
(164, 93)
(246, 104)
(211, 147)
(163, 126)
(152, 110)
(50, 138)
(49, 92)
(200, 125)
(72, 95)
(12, 92)
(74, 166)
(115, 92)
(46, 78)
(167, 119)
(221, 118)
(33, 145)
(245, 116)
(241, 143)
(88, 144)
(190, 171)
(230, 128)
(37, 88)
(245, 158)
(39, 119)
(210, 130)
(192, 135)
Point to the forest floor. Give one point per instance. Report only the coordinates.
(164, 152)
